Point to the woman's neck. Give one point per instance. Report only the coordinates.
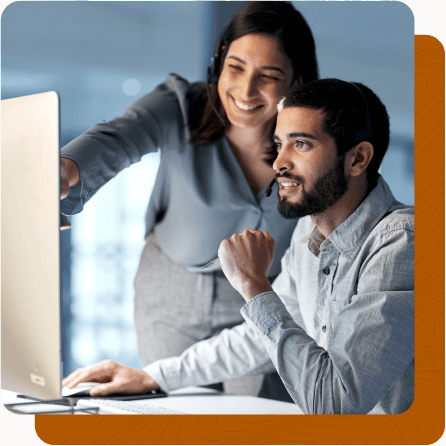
(254, 140)
(252, 149)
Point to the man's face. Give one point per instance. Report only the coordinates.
(309, 173)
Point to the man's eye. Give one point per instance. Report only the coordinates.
(278, 146)
(302, 144)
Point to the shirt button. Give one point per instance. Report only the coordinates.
(324, 328)
(326, 271)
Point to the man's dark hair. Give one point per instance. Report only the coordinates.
(278, 19)
(353, 113)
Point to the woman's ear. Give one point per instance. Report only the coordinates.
(359, 158)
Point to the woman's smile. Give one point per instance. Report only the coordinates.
(246, 107)
(255, 76)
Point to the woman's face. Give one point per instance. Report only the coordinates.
(255, 76)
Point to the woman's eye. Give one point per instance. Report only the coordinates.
(278, 146)
(236, 67)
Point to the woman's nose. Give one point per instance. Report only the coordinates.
(248, 87)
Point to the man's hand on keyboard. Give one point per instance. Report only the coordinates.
(116, 378)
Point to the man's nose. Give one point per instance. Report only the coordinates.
(283, 161)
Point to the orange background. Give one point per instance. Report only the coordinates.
(423, 423)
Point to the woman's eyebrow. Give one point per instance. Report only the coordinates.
(263, 68)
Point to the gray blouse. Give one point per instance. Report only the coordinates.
(201, 195)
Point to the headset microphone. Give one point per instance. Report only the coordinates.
(270, 188)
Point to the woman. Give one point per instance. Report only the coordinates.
(215, 142)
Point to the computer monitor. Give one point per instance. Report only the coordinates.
(30, 254)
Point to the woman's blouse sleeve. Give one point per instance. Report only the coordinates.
(156, 120)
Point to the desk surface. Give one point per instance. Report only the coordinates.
(196, 400)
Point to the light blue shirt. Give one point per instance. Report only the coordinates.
(201, 195)
(339, 328)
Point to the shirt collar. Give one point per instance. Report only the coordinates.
(349, 236)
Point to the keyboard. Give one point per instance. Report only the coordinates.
(124, 407)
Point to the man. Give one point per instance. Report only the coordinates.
(337, 324)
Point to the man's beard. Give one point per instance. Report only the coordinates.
(327, 191)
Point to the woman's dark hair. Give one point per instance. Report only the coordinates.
(353, 113)
(279, 19)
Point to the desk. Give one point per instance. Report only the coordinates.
(197, 400)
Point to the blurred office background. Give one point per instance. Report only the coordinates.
(102, 56)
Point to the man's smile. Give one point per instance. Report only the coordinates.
(287, 184)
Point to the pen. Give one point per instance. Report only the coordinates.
(213, 262)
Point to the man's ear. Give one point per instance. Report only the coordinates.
(358, 158)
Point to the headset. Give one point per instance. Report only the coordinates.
(213, 70)
(213, 73)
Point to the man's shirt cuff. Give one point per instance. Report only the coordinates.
(265, 311)
(155, 372)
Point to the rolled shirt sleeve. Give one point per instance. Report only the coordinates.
(353, 374)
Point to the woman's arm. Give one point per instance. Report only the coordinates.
(154, 121)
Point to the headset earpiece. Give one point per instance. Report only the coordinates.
(213, 73)
(212, 76)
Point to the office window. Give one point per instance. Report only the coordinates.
(107, 239)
